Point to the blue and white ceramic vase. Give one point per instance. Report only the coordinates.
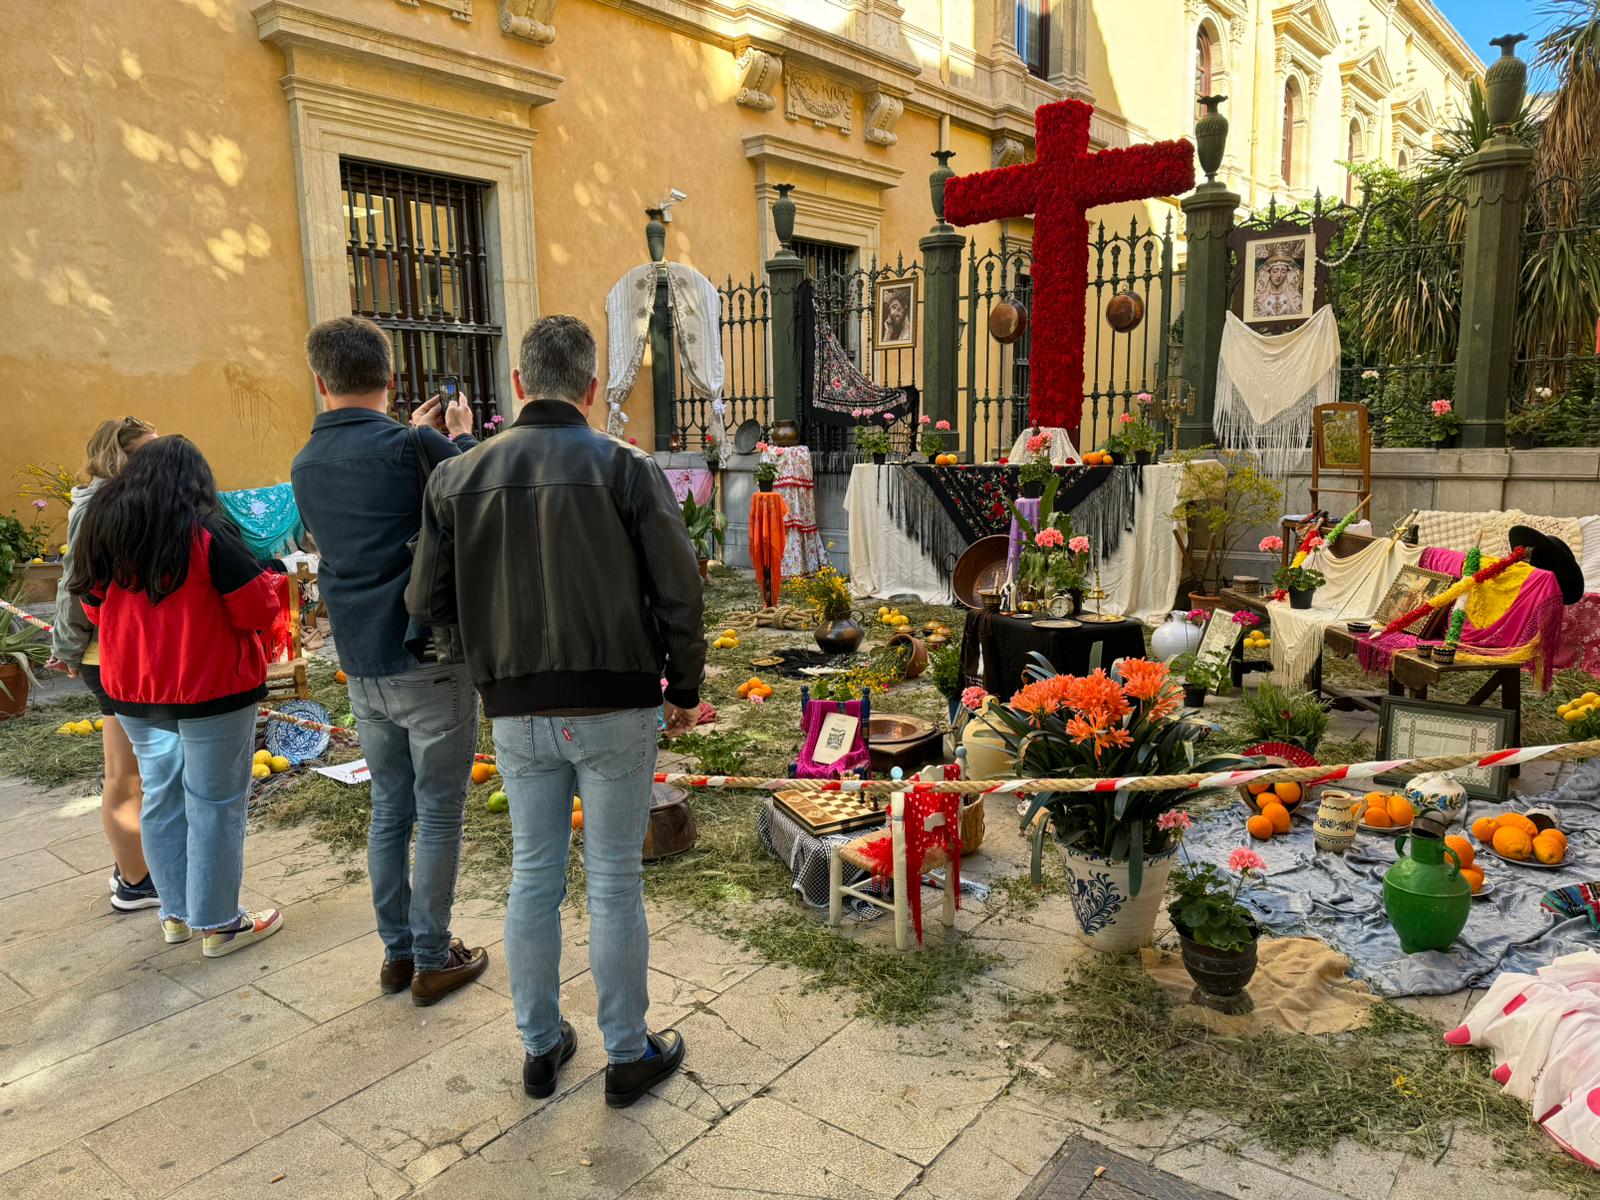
(1111, 919)
(1176, 637)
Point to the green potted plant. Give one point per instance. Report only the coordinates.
(23, 650)
(944, 668)
(1115, 848)
(1201, 676)
(766, 473)
(828, 594)
(1299, 582)
(706, 526)
(1139, 438)
(1445, 426)
(931, 442)
(873, 443)
(21, 544)
(1217, 934)
(1296, 716)
(1036, 469)
(1526, 422)
(1224, 495)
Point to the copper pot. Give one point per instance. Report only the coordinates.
(784, 433)
(1124, 311)
(1008, 321)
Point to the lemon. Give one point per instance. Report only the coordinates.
(278, 764)
(63, 549)
(99, 724)
(498, 802)
(1590, 697)
(65, 729)
(577, 803)
(82, 727)
(260, 770)
(1563, 709)
(1572, 716)
(262, 756)
(36, 561)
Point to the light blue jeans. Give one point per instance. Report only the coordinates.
(196, 775)
(419, 730)
(609, 761)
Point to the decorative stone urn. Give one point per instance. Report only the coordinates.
(936, 182)
(1211, 136)
(783, 215)
(1505, 83)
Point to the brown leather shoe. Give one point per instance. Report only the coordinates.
(430, 987)
(395, 975)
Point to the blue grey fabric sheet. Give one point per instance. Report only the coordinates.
(1340, 899)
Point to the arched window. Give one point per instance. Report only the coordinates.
(1203, 60)
(1401, 162)
(1293, 122)
(1352, 184)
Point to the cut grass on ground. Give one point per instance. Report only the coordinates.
(1392, 1084)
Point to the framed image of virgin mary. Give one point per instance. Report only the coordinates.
(1280, 277)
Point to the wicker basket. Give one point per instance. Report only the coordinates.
(972, 824)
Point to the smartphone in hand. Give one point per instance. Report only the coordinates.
(450, 388)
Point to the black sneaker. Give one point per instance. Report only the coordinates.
(539, 1071)
(130, 897)
(627, 1082)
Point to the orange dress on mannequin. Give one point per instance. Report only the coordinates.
(767, 511)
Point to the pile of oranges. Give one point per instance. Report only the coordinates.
(946, 460)
(754, 687)
(1516, 837)
(1386, 810)
(482, 772)
(1276, 802)
(1470, 871)
(1097, 458)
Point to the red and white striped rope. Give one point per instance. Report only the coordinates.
(27, 616)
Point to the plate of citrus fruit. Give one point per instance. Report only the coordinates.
(1275, 803)
(1385, 812)
(1515, 838)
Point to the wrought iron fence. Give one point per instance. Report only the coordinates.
(745, 325)
(994, 388)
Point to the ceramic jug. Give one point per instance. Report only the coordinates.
(1176, 637)
(1335, 826)
(1439, 794)
(1425, 894)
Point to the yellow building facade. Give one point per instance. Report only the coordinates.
(191, 183)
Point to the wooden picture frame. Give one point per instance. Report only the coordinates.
(1411, 587)
(1217, 642)
(1306, 244)
(894, 313)
(1413, 728)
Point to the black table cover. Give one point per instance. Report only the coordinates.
(1008, 641)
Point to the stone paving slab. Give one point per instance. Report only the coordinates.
(307, 1162)
(1083, 1170)
(35, 868)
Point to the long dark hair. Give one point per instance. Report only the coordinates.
(138, 531)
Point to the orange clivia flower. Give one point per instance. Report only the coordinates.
(1143, 679)
(1098, 697)
(1165, 705)
(1042, 697)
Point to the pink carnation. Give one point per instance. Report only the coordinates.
(1049, 537)
(1126, 418)
(762, 447)
(1440, 407)
(1143, 397)
(942, 425)
(1244, 859)
(1273, 543)
(858, 413)
(1197, 616)
(1176, 819)
(924, 419)
(974, 698)
(1079, 545)
(1038, 442)
(1246, 618)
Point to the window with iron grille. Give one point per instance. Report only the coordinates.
(1033, 35)
(832, 269)
(418, 264)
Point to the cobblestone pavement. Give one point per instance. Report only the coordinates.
(132, 1069)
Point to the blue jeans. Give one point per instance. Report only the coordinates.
(196, 775)
(419, 730)
(609, 761)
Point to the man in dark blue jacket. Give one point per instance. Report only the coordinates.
(359, 484)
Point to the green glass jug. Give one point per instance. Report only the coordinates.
(1427, 898)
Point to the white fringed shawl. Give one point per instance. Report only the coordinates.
(1267, 386)
(696, 315)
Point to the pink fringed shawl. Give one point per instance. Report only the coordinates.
(1535, 614)
(856, 761)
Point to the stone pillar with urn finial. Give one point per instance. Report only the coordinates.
(1495, 186)
(1209, 211)
(941, 303)
(785, 273)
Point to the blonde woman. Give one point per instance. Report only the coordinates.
(75, 645)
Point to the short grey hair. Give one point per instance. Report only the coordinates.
(557, 359)
(352, 355)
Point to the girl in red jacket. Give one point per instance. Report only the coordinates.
(180, 605)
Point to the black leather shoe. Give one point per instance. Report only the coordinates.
(539, 1071)
(626, 1082)
(396, 975)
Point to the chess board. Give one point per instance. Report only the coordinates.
(822, 813)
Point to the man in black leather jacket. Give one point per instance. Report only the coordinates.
(561, 555)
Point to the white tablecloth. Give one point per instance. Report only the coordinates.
(1141, 578)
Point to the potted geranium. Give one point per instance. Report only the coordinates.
(1527, 421)
(931, 442)
(1217, 933)
(1053, 559)
(1201, 676)
(1116, 853)
(1445, 426)
(873, 443)
(1036, 470)
(828, 594)
(766, 474)
(1300, 582)
(1138, 438)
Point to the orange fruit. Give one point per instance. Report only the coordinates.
(1549, 850)
(1515, 820)
(1513, 844)
(1255, 789)
(1463, 849)
(482, 772)
(1483, 829)
(1400, 811)
(577, 818)
(1260, 827)
(1381, 799)
(1554, 835)
(1278, 815)
(1473, 876)
(1288, 793)
(341, 677)
(1378, 817)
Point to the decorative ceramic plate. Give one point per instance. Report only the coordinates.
(1058, 623)
(1488, 886)
(295, 742)
(1527, 862)
(766, 662)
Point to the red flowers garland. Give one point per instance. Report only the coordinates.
(1450, 594)
(1058, 188)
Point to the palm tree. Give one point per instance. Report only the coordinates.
(1569, 148)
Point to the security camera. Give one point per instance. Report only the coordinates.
(677, 195)
(674, 196)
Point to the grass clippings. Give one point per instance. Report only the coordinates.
(31, 747)
(1392, 1084)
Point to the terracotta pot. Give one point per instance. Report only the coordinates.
(1204, 601)
(1220, 975)
(918, 662)
(14, 692)
(840, 637)
(705, 567)
(1110, 918)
